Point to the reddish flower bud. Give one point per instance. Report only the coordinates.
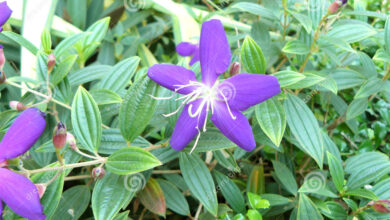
(98, 172)
(3, 77)
(41, 189)
(59, 136)
(71, 141)
(334, 7)
(17, 106)
(2, 58)
(381, 206)
(51, 62)
(235, 69)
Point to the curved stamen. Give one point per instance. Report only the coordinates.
(161, 98)
(227, 105)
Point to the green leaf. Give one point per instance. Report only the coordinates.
(305, 128)
(336, 171)
(212, 140)
(152, 198)
(382, 55)
(362, 193)
(77, 10)
(303, 19)
(256, 202)
(296, 47)
(285, 177)
(86, 120)
(275, 199)
(131, 160)
(120, 75)
(253, 214)
(98, 30)
(351, 30)
(105, 96)
(88, 74)
(226, 159)
(52, 196)
(65, 45)
(255, 9)
(256, 180)
(63, 69)
(311, 79)
(21, 41)
(356, 108)
(76, 200)
(230, 192)
(198, 179)
(137, 108)
(272, 119)
(116, 191)
(252, 57)
(371, 87)
(387, 35)
(346, 78)
(174, 198)
(287, 78)
(334, 210)
(307, 209)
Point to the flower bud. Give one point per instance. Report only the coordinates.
(41, 189)
(51, 62)
(334, 7)
(381, 206)
(17, 106)
(98, 172)
(59, 136)
(71, 141)
(235, 69)
(2, 58)
(3, 78)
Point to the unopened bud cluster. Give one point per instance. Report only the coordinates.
(336, 5)
(381, 206)
(59, 136)
(17, 106)
(98, 173)
(51, 62)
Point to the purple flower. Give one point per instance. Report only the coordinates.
(5, 13)
(186, 49)
(224, 100)
(17, 191)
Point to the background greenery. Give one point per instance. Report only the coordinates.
(322, 144)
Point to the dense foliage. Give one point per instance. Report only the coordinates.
(322, 144)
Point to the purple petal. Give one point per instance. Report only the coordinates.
(195, 58)
(186, 49)
(215, 53)
(237, 130)
(186, 126)
(23, 133)
(171, 76)
(1, 209)
(20, 195)
(245, 90)
(5, 13)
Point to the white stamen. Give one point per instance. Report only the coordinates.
(161, 98)
(227, 105)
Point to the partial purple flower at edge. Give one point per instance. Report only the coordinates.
(225, 100)
(5, 14)
(187, 49)
(17, 191)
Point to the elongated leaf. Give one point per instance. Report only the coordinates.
(296, 47)
(63, 69)
(285, 177)
(255, 9)
(212, 140)
(252, 57)
(226, 159)
(356, 108)
(306, 209)
(120, 75)
(305, 128)
(73, 203)
(63, 47)
(311, 79)
(336, 171)
(86, 120)
(98, 30)
(88, 74)
(303, 19)
(116, 191)
(174, 198)
(371, 87)
(387, 35)
(346, 78)
(23, 42)
(287, 78)
(362, 193)
(272, 119)
(105, 96)
(137, 109)
(131, 160)
(152, 197)
(230, 191)
(198, 179)
(351, 30)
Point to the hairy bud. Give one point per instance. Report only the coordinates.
(51, 62)
(2, 58)
(41, 189)
(381, 206)
(71, 141)
(98, 172)
(17, 106)
(334, 7)
(235, 69)
(59, 136)
(3, 78)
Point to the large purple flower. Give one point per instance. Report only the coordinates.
(225, 100)
(5, 13)
(17, 191)
(187, 49)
